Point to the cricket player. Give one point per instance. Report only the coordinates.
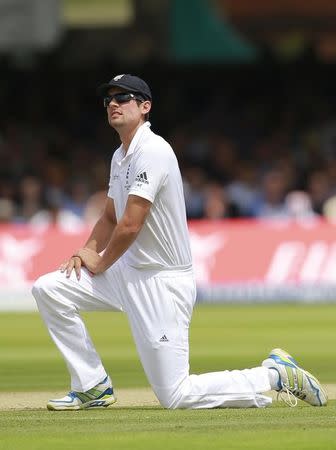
(138, 260)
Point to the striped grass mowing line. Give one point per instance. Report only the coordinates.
(143, 428)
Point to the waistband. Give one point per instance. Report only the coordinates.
(172, 272)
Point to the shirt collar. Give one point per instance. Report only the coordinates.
(136, 138)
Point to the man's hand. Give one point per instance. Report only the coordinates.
(74, 263)
(90, 259)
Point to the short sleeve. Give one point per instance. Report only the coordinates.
(150, 173)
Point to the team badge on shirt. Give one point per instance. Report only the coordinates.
(127, 183)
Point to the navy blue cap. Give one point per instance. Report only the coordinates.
(128, 82)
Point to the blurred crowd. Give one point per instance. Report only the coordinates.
(253, 152)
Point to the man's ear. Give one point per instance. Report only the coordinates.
(146, 106)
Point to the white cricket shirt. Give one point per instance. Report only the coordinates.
(150, 170)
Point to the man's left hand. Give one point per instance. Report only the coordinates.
(90, 260)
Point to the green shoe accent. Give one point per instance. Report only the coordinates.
(97, 397)
(296, 382)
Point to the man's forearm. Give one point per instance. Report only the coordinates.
(122, 237)
(100, 235)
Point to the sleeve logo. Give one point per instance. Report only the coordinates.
(142, 178)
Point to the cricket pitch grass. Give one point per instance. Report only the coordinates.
(221, 337)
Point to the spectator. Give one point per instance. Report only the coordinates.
(319, 189)
(217, 204)
(194, 182)
(271, 202)
(30, 197)
(244, 190)
(7, 210)
(329, 209)
(222, 159)
(56, 216)
(299, 206)
(77, 198)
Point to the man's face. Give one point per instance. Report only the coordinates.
(121, 115)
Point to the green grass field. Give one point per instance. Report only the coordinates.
(222, 337)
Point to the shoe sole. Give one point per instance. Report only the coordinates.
(313, 381)
(103, 402)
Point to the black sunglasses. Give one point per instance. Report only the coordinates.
(121, 97)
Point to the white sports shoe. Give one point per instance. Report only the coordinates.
(99, 396)
(296, 382)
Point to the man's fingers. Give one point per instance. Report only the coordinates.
(70, 266)
(74, 263)
(78, 264)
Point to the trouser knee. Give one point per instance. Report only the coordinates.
(165, 402)
(44, 287)
(41, 284)
(177, 397)
(169, 399)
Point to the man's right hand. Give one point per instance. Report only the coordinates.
(74, 263)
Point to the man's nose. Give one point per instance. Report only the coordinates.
(113, 101)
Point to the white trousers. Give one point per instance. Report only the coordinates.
(159, 307)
